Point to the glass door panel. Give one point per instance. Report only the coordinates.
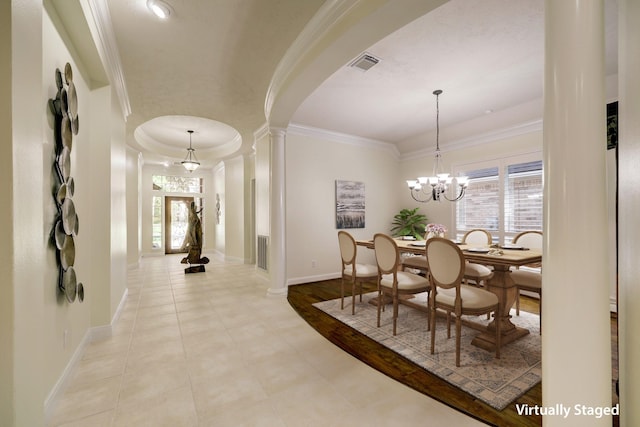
(176, 223)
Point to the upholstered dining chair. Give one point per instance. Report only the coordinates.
(351, 270)
(392, 281)
(528, 278)
(445, 262)
(477, 272)
(416, 262)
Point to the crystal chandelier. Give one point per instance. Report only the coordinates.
(190, 162)
(425, 189)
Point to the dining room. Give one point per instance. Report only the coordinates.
(382, 172)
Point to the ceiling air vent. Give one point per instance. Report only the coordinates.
(364, 62)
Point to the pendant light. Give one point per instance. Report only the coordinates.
(190, 162)
(425, 189)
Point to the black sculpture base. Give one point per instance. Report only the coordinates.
(194, 269)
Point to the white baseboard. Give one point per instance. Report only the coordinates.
(61, 385)
(92, 334)
(309, 279)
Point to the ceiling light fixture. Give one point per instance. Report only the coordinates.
(159, 8)
(425, 189)
(190, 162)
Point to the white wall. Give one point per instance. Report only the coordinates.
(134, 207)
(7, 325)
(44, 332)
(22, 385)
(98, 172)
(234, 208)
(220, 196)
(261, 171)
(118, 204)
(314, 163)
(249, 209)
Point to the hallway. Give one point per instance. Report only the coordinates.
(212, 349)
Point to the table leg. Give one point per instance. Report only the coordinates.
(501, 285)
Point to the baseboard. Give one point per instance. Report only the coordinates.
(310, 279)
(61, 385)
(92, 334)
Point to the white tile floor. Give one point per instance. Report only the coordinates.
(211, 349)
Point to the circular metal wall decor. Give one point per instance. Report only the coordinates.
(64, 107)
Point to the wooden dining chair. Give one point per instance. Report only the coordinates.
(478, 273)
(446, 271)
(415, 262)
(391, 281)
(351, 270)
(529, 277)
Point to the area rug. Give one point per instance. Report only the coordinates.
(497, 382)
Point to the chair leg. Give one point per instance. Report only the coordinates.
(498, 332)
(517, 301)
(458, 332)
(428, 311)
(433, 328)
(342, 294)
(380, 302)
(395, 312)
(353, 297)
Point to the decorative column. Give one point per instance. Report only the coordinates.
(576, 338)
(628, 209)
(277, 252)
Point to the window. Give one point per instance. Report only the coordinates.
(523, 197)
(503, 197)
(177, 184)
(156, 234)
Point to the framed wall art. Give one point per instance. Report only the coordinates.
(612, 125)
(350, 204)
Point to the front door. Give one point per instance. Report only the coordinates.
(176, 221)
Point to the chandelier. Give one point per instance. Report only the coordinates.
(425, 189)
(190, 162)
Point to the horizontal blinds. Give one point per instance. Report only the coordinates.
(480, 208)
(523, 197)
(504, 199)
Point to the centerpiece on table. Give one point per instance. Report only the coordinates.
(435, 230)
(409, 224)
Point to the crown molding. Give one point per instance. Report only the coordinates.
(460, 144)
(344, 138)
(472, 141)
(98, 11)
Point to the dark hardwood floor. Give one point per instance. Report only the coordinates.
(301, 298)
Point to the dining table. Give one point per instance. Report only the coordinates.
(501, 259)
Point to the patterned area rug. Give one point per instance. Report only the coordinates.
(496, 382)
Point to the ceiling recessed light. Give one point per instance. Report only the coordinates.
(159, 8)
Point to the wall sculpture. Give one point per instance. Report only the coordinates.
(65, 110)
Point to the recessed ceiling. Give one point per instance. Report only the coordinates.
(487, 56)
(210, 59)
(214, 59)
(167, 136)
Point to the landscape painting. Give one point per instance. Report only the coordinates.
(349, 204)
